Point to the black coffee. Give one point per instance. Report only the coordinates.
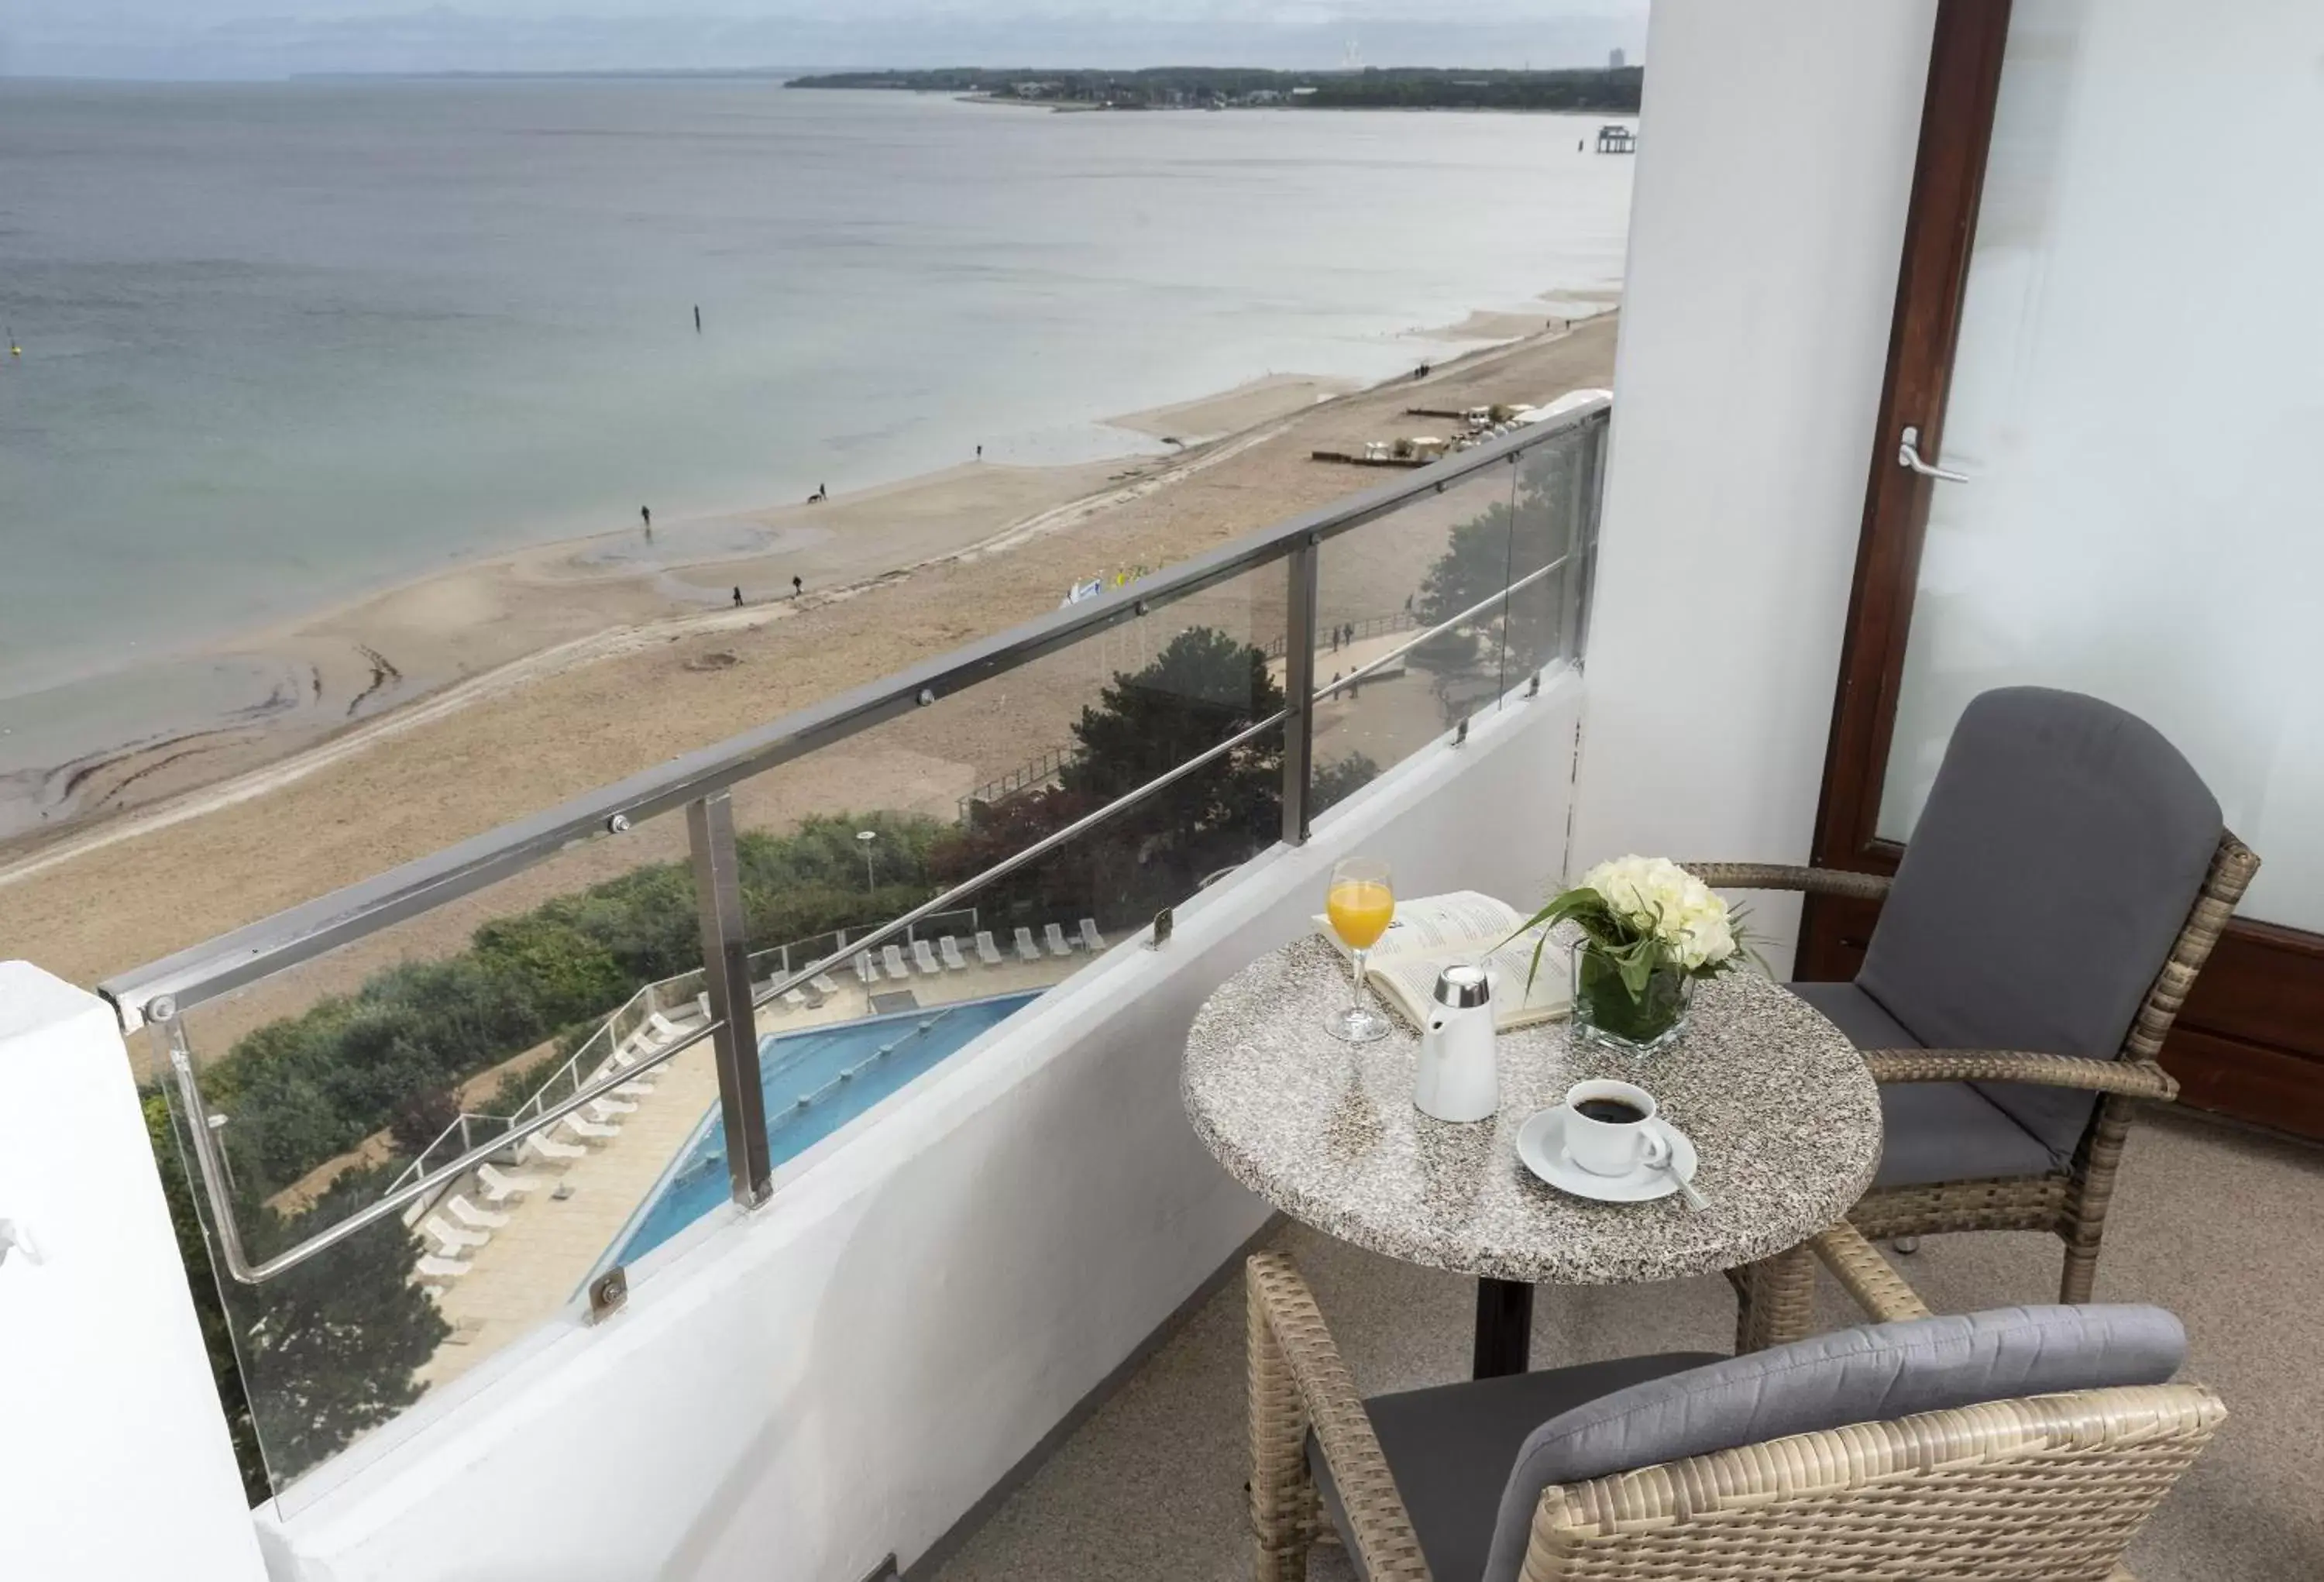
(1613, 1111)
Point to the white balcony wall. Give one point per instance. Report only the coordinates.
(114, 1455)
(1774, 168)
(848, 1371)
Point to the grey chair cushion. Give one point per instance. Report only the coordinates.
(1452, 1448)
(1931, 1130)
(2063, 844)
(1871, 1373)
(1867, 1024)
(1951, 1131)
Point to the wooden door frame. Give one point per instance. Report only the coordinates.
(1939, 229)
(2250, 1040)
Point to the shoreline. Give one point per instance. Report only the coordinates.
(518, 736)
(341, 674)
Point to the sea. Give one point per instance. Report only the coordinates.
(273, 347)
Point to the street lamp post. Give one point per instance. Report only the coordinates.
(865, 838)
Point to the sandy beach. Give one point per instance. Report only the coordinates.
(442, 709)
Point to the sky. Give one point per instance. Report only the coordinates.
(271, 39)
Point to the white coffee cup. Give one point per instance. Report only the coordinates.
(1606, 1147)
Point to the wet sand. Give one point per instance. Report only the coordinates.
(530, 679)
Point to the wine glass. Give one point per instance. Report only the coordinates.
(1361, 903)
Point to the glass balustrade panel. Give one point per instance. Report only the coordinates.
(330, 1085)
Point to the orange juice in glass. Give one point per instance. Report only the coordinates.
(1360, 904)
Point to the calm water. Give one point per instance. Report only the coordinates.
(284, 343)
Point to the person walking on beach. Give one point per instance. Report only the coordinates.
(697, 318)
(980, 453)
(738, 598)
(797, 587)
(645, 514)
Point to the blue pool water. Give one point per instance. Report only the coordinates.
(816, 1083)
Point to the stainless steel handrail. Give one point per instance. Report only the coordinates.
(176, 982)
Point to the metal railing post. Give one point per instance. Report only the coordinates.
(1302, 566)
(726, 971)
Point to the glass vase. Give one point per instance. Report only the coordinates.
(1606, 1015)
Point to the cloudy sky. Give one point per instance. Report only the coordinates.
(208, 39)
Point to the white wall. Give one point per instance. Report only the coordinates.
(1774, 164)
(849, 1370)
(114, 1455)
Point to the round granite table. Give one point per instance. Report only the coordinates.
(1783, 1114)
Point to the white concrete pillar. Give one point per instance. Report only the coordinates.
(1774, 168)
(114, 1455)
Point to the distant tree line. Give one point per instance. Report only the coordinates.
(1612, 91)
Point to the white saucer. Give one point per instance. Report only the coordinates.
(1541, 1143)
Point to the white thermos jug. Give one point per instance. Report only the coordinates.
(1457, 1079)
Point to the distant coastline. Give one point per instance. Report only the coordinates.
(1607, 90)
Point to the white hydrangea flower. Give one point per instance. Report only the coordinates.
(1659, 898)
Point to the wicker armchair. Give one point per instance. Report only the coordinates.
(2051, 808)
(2050, 1485)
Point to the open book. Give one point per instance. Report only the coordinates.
(1438, 931)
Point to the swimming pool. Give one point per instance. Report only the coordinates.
(816, 1082)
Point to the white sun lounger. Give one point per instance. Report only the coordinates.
(986, 951)
(949, 948)
(1058, 945)
(1091, 940)
(590, 1130)
(866, 969)
(435, 1271)
(661, 1029)
(474, 1217)
(636, 1087)
(450, 1238)
(893, 957)
(547, 1147)
(822, 983)
(605, 1109)
(926, 958)
(794, 998)
(1026, 949)
(499, 1187)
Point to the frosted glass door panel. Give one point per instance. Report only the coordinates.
(2138, 398)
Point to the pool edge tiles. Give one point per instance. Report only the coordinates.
(816, 1081)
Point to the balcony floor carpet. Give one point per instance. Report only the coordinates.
(2218, 1225)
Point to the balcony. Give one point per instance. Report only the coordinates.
(788, 1235)
(913, 1195)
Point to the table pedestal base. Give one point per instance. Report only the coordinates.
(1504, 1328)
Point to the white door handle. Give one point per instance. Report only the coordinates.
(1908, 456)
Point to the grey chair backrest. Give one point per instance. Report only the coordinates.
(1873, 1373)
(2063, 844)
